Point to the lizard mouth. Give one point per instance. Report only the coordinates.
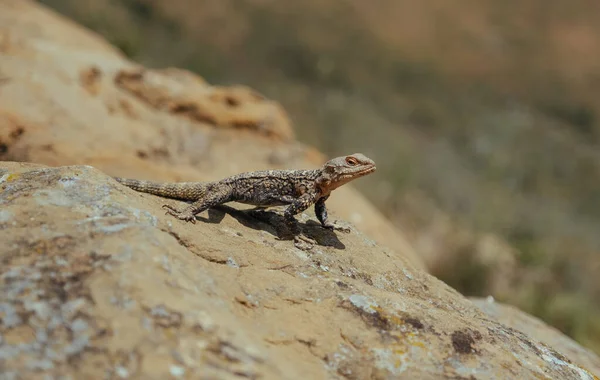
(366, 171)
(361, 172)
(370, 170)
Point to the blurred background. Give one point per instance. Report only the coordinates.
(483, 118)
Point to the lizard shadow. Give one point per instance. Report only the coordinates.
(273, 223)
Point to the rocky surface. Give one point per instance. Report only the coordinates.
(98, 283)
(537, 329)
(67, 97)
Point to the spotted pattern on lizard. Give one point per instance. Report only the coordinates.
(296, 189)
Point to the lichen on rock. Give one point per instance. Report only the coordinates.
(98, 282)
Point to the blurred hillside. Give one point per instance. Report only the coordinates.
(481, 115)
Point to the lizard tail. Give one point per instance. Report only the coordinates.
(188, 191)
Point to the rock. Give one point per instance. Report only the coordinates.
(97, 282)
(180, 93)
(70, 98)
(537, 329)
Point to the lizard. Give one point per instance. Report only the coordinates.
(296, 189)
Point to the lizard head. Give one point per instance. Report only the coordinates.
(341, 170)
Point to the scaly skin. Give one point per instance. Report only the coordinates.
(298, 189)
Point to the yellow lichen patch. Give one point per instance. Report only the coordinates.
(408, 339)
(13, 176)
(400, 350)
(10, 177)
(387, 317)
(412, 338)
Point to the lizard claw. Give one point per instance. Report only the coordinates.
(170, 210)
(179, 215)
(188, 218)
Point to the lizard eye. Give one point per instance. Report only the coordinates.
(351, 161)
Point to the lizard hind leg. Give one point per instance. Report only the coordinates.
(210, 199)
(182, 215)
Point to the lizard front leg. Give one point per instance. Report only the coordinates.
(299, 205)
(321, 212)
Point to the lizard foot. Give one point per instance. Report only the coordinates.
(332, 227)
(304, 242)
(188, 217)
